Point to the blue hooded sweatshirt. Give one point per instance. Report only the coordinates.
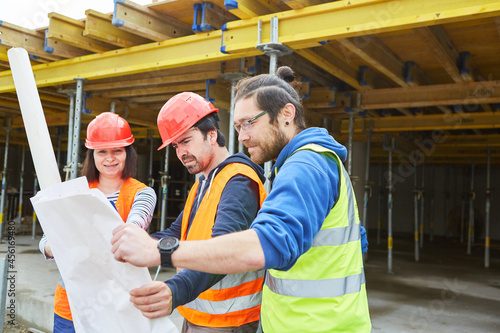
(304, 190)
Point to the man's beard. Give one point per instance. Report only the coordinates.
(271, 148)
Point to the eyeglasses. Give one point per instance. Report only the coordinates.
(248, 124)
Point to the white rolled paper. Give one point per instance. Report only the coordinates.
(34, 119)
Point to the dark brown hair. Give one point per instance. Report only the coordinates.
(272, 92)
(208, 123)
(90, 171)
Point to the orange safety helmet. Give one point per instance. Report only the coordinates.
(180, 113)
(108, 130)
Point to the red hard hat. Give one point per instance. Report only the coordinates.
(108, 130)
(180, 113)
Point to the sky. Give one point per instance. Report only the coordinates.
(32, 14)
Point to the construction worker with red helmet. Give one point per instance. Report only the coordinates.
(110, 165)
(225, 199)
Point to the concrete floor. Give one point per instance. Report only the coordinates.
(446, 291)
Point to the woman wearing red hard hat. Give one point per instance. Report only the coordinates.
(110, 165)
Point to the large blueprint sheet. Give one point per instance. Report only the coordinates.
(78, 223)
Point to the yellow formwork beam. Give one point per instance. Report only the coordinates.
(245, 9)
(70, 31)
(148, 23)
(3, 54)
(12, 35)
(341, 19)
(98, 26)
(178, 52)
(297, 29)
(451, 121)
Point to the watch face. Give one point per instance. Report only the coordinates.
(168, 243)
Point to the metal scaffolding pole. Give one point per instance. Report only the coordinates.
(380, 196)
(487, 218)
(416, 195)
(368, 189)
(4, 175)
(151, 180)
(71, 119)
(33, 226)
(273, 50)
(447, 203)
(163, 180)
(422, 205)
(432, 216)
(462, 217)
(75, 143)
(232, 136)
(471, 210)
(59, 144)
(234, 77)
(21, 187)
(390, 188)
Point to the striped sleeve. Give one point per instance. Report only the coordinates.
(143, 208)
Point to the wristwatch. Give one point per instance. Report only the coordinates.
(167, 246)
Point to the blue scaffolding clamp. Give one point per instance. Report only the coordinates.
(84, 109)
(199, 17)
(208, 83)
(47, 48)
(409, 65)
(116, 21)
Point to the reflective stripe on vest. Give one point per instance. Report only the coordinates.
(325, 289)
(235, 300)
(316, 288)
(123, 205)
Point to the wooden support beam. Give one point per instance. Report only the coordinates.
(148, 23)
(137, 114)
(299, 4)
(377, 55)
(344, 19)
(440, 45)
(3, 54)
(333, 66)
(32, 41)
(468, 94)
(245, 9)
(154, 91)
(62, 49)
(98, 26)
(497, 24)
(458, 121)
(321, 98)
(70, 31)
(152, 82)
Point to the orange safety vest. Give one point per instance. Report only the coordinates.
(123, 205)
(235, 300)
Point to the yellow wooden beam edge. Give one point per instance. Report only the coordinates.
(70, 31)
(479, 120)
(12, 35)
(3, 53)
(98, 26)
(148, 23)
(177, 52)
(154, 90)
(152, 81)
(350, 18)
(246, 9)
